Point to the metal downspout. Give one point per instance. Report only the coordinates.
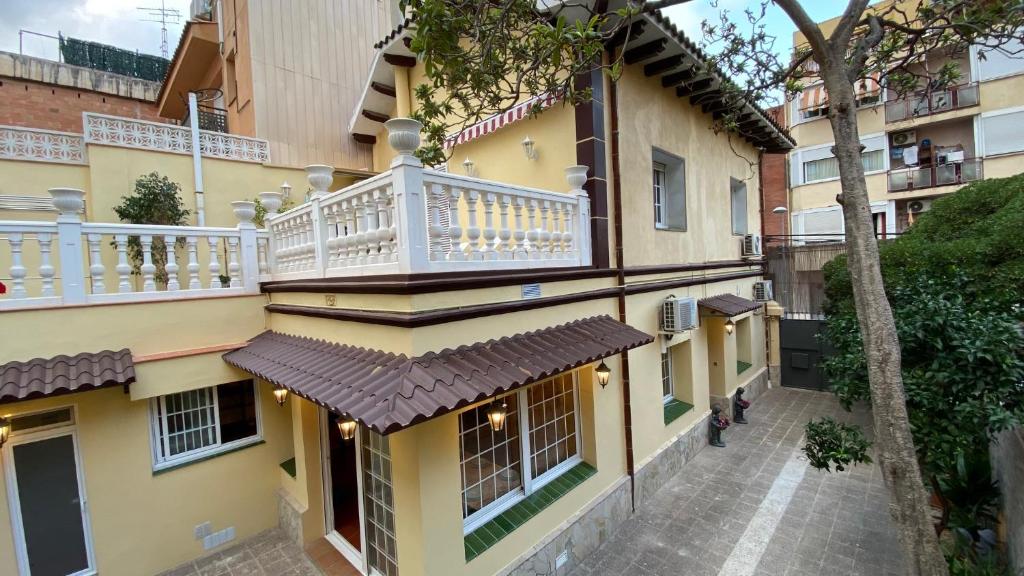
(197, 158)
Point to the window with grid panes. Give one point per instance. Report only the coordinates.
(660, 202)
(541, 429)
(378, 504)
(197, 423)
(666, 376)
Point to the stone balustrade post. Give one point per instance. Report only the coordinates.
(245, 211)
(577, 177)
(69, 202)
(410, 197)
(772, 315)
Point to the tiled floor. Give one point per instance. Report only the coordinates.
(329, 560)
(268, 554)
(757, 508)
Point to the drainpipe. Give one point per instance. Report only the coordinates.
(197, 158)
(627, 414)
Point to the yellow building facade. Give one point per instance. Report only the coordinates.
(478, 373)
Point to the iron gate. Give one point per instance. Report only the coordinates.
(803, 350)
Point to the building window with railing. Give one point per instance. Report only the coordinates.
(199, 423)
(931, 101)
(541, 428)
(813, 100)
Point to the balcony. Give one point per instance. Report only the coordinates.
(921, 177)
(929, 102)
(412, 220)
(210, 118)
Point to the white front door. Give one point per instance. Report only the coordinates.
(343, 491)
(49, 511)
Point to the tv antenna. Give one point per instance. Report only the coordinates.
(162, 15)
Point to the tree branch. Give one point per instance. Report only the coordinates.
(808, 27)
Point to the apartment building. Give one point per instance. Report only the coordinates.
(917, 147)
(478, 368)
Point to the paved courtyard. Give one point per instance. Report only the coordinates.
(270, 553)
(756, 507)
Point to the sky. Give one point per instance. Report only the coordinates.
(119, 22)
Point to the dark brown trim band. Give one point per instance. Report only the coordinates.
(436, 282)
(669, 268)
(669, 284)
(432, 317)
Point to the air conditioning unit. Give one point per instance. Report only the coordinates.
(906, 138)
(763, 291)
(918, 206)
(678, 314)
(752, 245)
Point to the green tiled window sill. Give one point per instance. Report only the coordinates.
(289, 467)
(503, 524)
(742, 366)
(674, 409)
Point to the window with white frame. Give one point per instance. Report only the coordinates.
(544, 434)
(1002, 61)
(668, 175)
(666, 376)
(817, 164)
(1001, 132)
(738, 200)
(198, 423)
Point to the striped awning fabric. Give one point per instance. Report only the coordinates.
(497, 121)
(816, 96)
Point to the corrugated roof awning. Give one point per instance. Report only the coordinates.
(42, 377)
(729, 304)
(388, 392)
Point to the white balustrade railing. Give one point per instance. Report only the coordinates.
(413, 220)
(75, 262)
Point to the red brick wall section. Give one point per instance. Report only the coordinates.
(51, 107)
(774, 187)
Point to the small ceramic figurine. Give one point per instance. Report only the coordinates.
(739, 405)
(717, 423)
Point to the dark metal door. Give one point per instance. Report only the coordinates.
(51, 509)
(802, 353)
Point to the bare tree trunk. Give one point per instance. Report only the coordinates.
(908, 505)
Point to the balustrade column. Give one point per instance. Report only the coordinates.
(360, 238)
(261, 256)
(545, 231)
(148, 269)
(473, 230)
(520, 232)
(124, 271)
(372, 229)
(436, 230)
(489, 232)
(454, 225)
(46, 270)
(349, 244)
(504, 233)
(96, 268)
(387, 223)
(70, 203)
(333, 238)
(193, 263)
(214, 266)
(171, 263)
(234, 268)
(410, 200)
(567, 237)
(17, 268)
(532, 234)
(556, 230)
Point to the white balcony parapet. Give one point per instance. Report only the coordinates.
(131, 133)
(414, 220)
(74, 262)
(18, 143)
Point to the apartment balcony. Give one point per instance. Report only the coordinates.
(211, 118)
(931, 102)
(922, 177)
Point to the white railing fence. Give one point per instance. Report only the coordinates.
(413, 220)
(74, 262)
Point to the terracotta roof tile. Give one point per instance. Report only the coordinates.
(729, 304)
(46, 376)
(388, 392)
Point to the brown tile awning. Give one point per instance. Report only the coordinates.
(41, 377)
(729, 304)
(388, 392)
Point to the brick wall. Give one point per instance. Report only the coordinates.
(54, 107)
(774, 186)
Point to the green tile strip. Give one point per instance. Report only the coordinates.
(674, 409)
(742, 366)
(503, 524)
(289, 467)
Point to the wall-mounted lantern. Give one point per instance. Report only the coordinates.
(5, 430)
(496, 415)
(347, 427)
(729, 326)
(280, 395)
(286, 190)
(529, 148)
(604, 374)
(469, 167)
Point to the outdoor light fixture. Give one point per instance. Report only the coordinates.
(780, 210)
(529, 149)
(469, 167)
(286, 190)
(729, 326)
(604, 374)
(347, 427)
(280, 394)
(5, 430)
(496, 415)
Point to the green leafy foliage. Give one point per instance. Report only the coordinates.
(971, 496)
(955, 282)
(831, 443)
(964, 559)
(156, 200)
(261, 210)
